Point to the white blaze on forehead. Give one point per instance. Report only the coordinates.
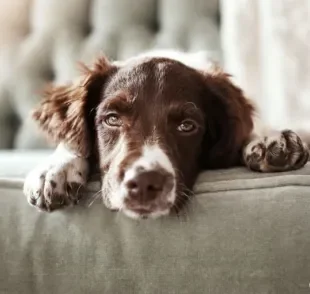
(152, 156)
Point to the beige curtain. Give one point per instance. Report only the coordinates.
(266, 45)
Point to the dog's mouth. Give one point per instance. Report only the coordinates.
(138, 208)
(147, 211)
(142, 213)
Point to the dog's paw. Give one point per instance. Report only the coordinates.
(282, 152)
(56, 184)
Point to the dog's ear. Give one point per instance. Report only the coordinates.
(63, 111)
(229, 120)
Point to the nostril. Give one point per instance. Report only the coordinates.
(154, 188)
(146, 185)
(132, 185)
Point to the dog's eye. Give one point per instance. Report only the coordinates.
(187, 126)
(113, 120)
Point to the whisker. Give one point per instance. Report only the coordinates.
(78, 190)
(93, 198)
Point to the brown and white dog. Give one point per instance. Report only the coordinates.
(150, 124)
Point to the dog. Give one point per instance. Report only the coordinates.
(149, 125)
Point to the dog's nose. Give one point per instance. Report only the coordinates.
(146, 186)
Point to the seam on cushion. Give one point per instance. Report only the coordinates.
(203, 187)
(207, 177)
(18, 183)
(251, 184)
(10, 183)
(202, 193)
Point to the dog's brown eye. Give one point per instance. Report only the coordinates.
(113, 120)
(187, 126)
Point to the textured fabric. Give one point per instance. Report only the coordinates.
(266, 46)
(242, 241)
(243, 232)
(41, 41)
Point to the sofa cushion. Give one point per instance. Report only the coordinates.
(243, 233)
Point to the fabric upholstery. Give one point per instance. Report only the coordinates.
(243, 233)
(41, 41)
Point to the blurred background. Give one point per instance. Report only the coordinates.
(264, 44)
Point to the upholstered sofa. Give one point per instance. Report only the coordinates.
(243, 232)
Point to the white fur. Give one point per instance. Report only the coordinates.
(60, 167)
(153, 156)
(112, 193)
(153, 215)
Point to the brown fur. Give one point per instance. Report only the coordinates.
(152, 96)
(230, 120)
(62, 113)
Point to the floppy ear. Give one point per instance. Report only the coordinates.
(64, 110)
(229, 119)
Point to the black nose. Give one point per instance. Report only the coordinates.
(146, 186)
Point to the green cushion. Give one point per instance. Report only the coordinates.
(243, 233)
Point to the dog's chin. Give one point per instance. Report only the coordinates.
(140, 214)
(116, 200)
(118, 204)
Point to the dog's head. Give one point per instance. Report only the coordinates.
(153, 124)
